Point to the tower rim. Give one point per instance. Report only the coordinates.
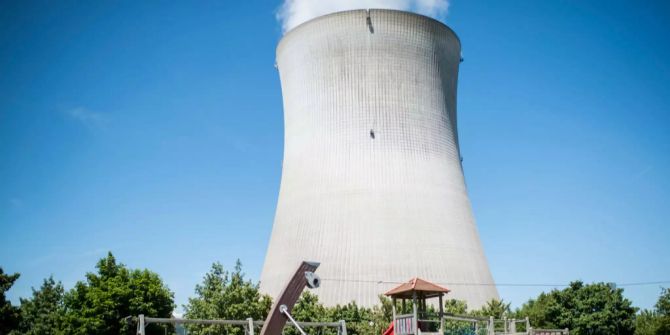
(301, 26)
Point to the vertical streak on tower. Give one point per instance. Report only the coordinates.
(372, 185)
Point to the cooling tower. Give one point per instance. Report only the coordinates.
(372, 185)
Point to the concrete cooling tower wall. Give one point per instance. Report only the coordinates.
(372, 184)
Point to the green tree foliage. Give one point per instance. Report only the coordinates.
(647, 323)
(592, 309)
(97, 305)
(495, 308)
(359, 320)
(657, 321)
(44, 312)
(456, 307)
(538, 311)
(382, 314)
(663, 304)
(9, 315)
(663, 310)
(224, 295)
(307, 309)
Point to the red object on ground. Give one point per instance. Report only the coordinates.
(389, 330)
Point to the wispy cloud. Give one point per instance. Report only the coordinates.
(295, 12)
(87, 117)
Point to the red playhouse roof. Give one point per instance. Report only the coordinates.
(423, 289)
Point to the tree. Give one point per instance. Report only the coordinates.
(382, 314)
(537, 311)
(9, 315)
(359, 320)
(663, 303)
(657, 321)
(224, 295)
(592, 309)
(647, 323)
(495, 308)
(98, 305)
(457, 307)
(307, 309)
(663, 310)
(44, 313)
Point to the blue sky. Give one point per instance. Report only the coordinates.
(154, 130)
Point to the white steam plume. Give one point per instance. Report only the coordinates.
(295, 12)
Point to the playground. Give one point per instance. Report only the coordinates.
(417, 307)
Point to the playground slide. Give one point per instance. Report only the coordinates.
(389, 330)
